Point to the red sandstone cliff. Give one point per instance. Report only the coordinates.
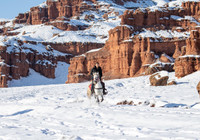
(130, 55)
(56, 13)
(190, 62)
(15, 63)
(125, 54)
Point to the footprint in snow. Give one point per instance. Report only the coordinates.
(119, 85)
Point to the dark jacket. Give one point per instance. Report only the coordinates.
(95, 69)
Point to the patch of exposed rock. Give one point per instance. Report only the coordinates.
(159, 78)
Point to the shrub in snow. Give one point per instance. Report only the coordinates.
(125, 103)
(159, 78)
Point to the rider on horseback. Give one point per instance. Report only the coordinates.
(98, 69)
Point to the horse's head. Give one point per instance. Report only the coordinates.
(96, 76)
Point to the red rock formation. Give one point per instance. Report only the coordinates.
(60, 8)
(186, 65)
(130, 56)
(125, 54)
(3, 76)
(198, 88)
(21, 18)
(191, 7)
(193, 43)
(177, 51)
(135, 64)
(17, 63)
(146, 18)
(191, 61)
(126, 57)
(166, 59)
(74, 48)
(3, 22)
(81, 66)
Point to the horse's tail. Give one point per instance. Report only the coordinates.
(89, 93)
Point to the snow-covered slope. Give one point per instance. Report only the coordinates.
(3, 19)
(64, 112)
(98, 27)
(35, 78)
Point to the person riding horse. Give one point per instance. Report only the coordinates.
(98, 69)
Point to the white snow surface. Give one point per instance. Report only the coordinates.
(161, 74)
(43, 5)
(97, 33)
(37, 32)
(3, 19)
(164, 33)
(63, 111)
(178, 3)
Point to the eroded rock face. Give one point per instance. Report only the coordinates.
(192, 8)
(3, 76)
(74, 48)
(125, 55)
(126, 58)
(193, 43)
(81, 66)
(54, 10)
(190, 62)
(15, 62)
(156, 67)
(131, 56)
(186, 65)
(147, 18)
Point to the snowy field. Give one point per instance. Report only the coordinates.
(63, 112)
(38, 108)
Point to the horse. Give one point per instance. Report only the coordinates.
(98, 88)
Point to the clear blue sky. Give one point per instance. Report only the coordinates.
(9, 9)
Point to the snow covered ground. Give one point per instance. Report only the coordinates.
(36, 107)
(63, 111)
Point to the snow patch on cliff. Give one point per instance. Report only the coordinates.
(35, 78)
(164, 34)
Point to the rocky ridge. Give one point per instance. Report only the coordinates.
(56, 30)
(148, 39)
(145, 41)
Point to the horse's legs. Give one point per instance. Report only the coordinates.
(102, 98)
(97, 99)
